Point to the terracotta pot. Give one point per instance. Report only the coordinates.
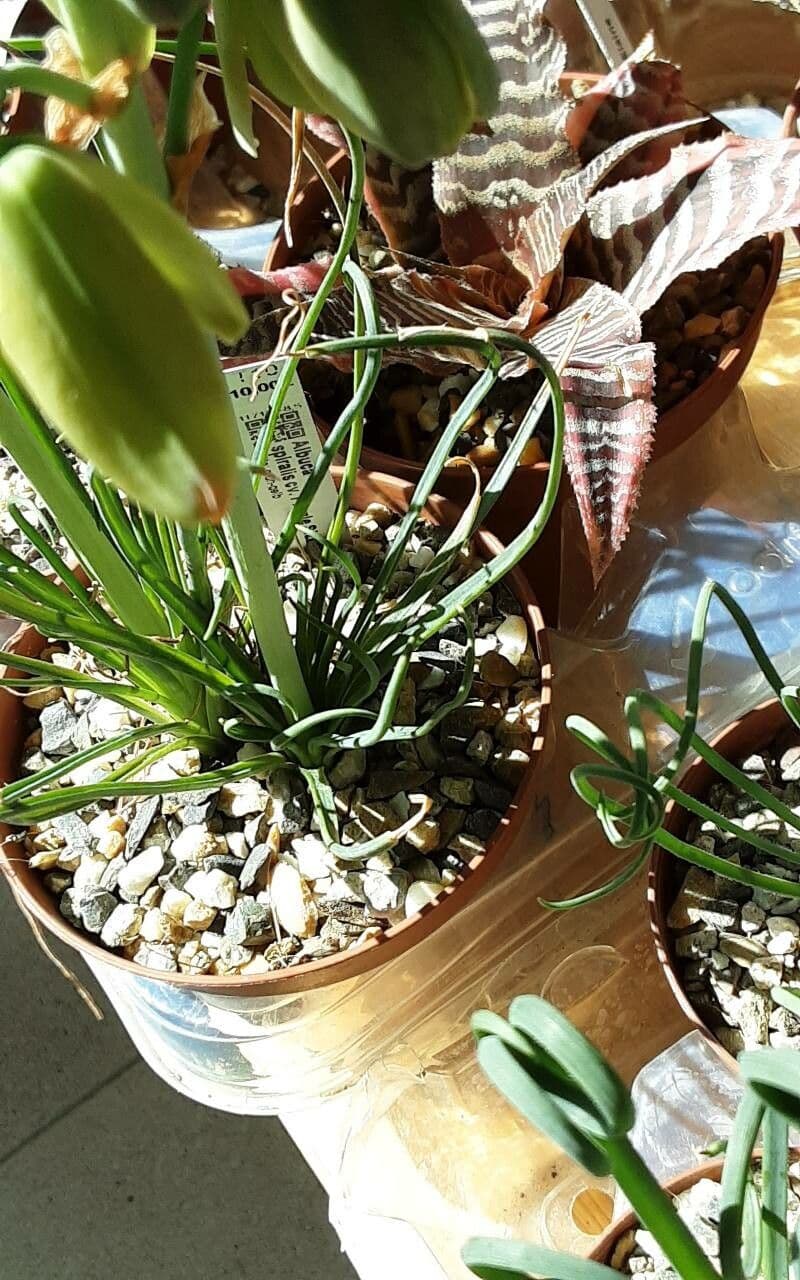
(740, 739)
(524, 491)
(28, 887)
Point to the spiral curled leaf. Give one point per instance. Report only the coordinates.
(638, 822)
(552, 1074)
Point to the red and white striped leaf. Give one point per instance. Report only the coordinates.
(401, 202)
(545, 232)
(704, 204)
(495, 177)
(641, 94)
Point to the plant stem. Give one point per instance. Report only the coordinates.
(356, 427)
(353, 212)
(261, 592)
(131, 147)
(656, 1212)
(32, 78)
(774, 1195)
(100, 33)
(176, 138)
(35, 44)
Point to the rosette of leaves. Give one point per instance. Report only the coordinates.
(219, 667)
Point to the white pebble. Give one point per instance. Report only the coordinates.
(138, 874)
(89, 871)
(196, 842)
(420, 894)
(215, 888)
(199, 916)
(422, 558)
(237, 844)
(174, 903)
(313, 860)
(783, 935)
(292, 901)
(239, 799)
(155, 926)
(753, 917)
(513, 636)
(122, 925)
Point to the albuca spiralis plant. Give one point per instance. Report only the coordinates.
(556, 1078)
(108, 308)
(635, 823)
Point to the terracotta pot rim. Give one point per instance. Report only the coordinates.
(679, 1182)
(395, 940)
(737, 738)
(711, 1168)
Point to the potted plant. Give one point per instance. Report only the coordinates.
(530, 274)
(224, 747)
(725, 927)
(553, 1075)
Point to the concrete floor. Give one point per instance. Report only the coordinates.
(105, 1172)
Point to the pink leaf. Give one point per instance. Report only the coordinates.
(305, 278)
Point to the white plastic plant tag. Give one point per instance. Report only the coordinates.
(608, 31)
(294, 450)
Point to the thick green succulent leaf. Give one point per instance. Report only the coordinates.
(368, 70)
(101, 32)
(162, 235)
(229, 30)
(508, 1074)
(174, 12)
(507, 1259)
(105, 345)
(362, 65)
(548, 1027)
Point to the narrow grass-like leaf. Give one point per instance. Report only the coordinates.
(385, 840)
(13, 792)
(39, 808)
(789, 998)
(774, 1196)
(605, 890)
(735, 1174)
(51, 556)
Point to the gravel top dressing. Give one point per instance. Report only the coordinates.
(735, 944)
(236, 880)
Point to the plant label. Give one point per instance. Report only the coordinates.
(607, 30)
(295, 446)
